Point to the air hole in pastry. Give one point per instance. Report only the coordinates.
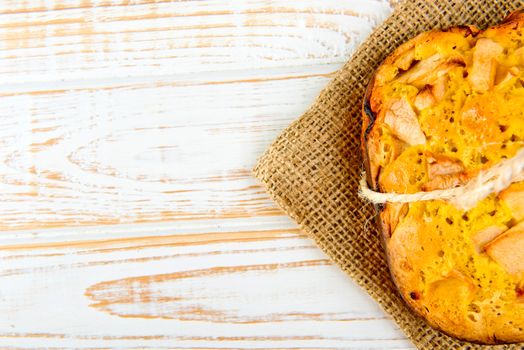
(454, 149)
(474, 308)
(440, 253)
(514, 138)
(503, 127)
(449, 221)
(451, 120)
(484, 159)
(472, 318)
(465, 217)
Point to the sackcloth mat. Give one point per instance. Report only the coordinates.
(312, 169)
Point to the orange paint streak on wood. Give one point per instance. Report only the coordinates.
(256, 80)
(60, 6)
(254, 12)
(173, 84)
(51, 175)
(86, 5)
(142, 291)
(168, 337)
(87, 28)
(168, 257)
(143, 218)
(47, 143)
(47, 129)
(155, 15)
(83, 251)
(201, 37)
(151, 241)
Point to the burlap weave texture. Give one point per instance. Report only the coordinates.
(313, 168)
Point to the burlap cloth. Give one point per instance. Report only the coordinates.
(312, 169)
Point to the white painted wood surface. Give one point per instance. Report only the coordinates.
(128, 213)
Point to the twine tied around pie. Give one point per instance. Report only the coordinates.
(492, 180)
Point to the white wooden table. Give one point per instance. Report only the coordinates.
(129, 217)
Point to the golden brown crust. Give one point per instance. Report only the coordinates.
(461, 271)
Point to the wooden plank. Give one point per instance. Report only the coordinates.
(57, 41)
(141, 154)
(98, 113)
(267, 288)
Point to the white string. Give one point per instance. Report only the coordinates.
(465, 197)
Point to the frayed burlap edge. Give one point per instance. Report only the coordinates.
(312, 169)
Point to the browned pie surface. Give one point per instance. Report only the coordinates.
(448, 104)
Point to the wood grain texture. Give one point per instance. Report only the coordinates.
(128, 214)
(141, 154)
(98, 113)
(131, 39)
(248, 289)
